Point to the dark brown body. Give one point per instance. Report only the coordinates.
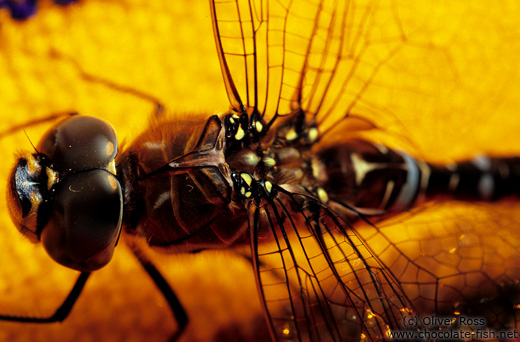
(191, 204)
(184, 208)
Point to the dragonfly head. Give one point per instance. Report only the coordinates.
(66, 194)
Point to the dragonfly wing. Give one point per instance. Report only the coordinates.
(278, 57)
(456, 259)
(318, 280)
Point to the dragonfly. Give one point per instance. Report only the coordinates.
(317, 220)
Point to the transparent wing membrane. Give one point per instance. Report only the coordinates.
(456, 257)
(319, 281)
(319, 56)
(322, 280)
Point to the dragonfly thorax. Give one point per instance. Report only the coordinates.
(178, 187)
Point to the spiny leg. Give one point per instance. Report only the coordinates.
(110, 84)
(178, 310)
(35, 122)
(63, 310)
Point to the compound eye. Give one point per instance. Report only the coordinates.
(85, 222)
(80, 143)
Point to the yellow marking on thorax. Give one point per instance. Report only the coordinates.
(247, 178)
(269, 162)
(268, 186)
(291, 135)
(313, 134)
(240, 134)
(322, 195)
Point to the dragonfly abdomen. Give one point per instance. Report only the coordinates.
(482, 178)
(374, 179)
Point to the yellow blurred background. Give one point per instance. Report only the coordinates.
(453, 86)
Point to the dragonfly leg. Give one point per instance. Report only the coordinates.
(63, 310)
(178, 310)
(108, 83)
(35, 122)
